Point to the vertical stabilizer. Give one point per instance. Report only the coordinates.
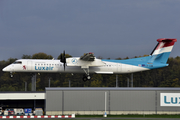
(162, 51)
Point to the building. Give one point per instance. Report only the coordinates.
(118, 101)
(96, 101)
(22, 100)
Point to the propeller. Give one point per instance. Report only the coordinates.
(63, 59)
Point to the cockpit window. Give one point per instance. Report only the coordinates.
(17, 62)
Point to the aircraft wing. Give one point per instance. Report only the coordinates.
(88, 57)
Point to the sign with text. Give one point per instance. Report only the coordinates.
(170, 99)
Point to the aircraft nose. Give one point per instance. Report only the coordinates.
(4, 69)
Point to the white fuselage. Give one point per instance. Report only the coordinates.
(89, 64)
(30, 65)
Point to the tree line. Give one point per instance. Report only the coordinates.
(163, 77)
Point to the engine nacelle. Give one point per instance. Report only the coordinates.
(83, 63)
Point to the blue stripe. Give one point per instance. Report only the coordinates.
(150, 62)
(134, 61)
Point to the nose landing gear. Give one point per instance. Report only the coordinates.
(11, 74)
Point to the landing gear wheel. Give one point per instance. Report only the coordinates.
(11, 75)
(89, 77)
(84, 78)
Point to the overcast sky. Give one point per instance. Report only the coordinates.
(108, 28)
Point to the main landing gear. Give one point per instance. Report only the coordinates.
(86, 77)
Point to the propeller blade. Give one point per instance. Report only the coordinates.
(63, 59)
(64, 66)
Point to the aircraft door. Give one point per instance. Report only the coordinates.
(29, 65)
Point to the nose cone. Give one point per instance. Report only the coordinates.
(4, 69)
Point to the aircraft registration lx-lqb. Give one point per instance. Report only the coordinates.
(88, 63)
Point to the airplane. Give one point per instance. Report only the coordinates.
(89, 64)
